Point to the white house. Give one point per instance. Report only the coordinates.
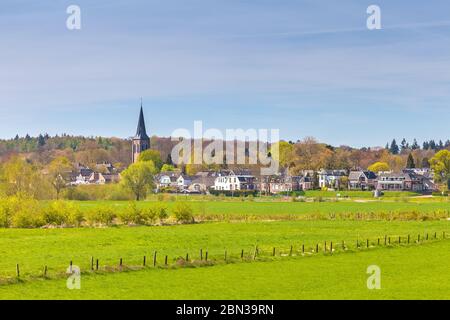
(330, 178)
(183, 181)
(235, 181)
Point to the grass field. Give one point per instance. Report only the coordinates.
(417, 272)
(407, 267)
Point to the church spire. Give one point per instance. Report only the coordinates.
(141, 132)
(141, 141)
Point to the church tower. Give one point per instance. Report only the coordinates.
(141, 141)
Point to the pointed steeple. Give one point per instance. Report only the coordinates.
(141, 133)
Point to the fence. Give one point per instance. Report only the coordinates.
(254, 254)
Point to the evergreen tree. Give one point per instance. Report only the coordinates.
(394, 149)
(169, 160)
(432, 145)
(410, 162)
(41, 140)
(426, 145)
(415, 145)
(425, 163)
(404, 145)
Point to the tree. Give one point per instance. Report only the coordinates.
(404, 145)
(41, 140)
(59, 170)
(440, 163)
(167, 167)
(415, 145)
(19, 177)
(152, 155)
(410, 162)
(138, 178)
(379, 166)
(285, 153)
(169, 159)
(425, 162)
(394, 149)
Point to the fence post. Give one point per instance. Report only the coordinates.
(378, 241)
(225, 256)
(303, 248)
(18, 270)
(317, 248)
(70, 266)
(343, 245)
(435, 235)
(418, 238)
(389, 239)
(242, 254)
(325, 247)
(145, 258)
(201, 254)
(408, 238)
(45, 271)
(187, 257)
(154, 259)
(367, 243)
(331, 247)
(96, 265)
(290, 252)
(273, 254)
(206, 255)
(92, 263)
(165, 261)
(385, 239)
(120, 263)
(427, 236)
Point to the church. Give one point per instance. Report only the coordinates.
(141, 140)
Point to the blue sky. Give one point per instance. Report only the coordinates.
(309, 68)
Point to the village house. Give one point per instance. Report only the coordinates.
(400, 182)
(203, 181)
(183, 181)
(285, 183)
(235, 180)
(330, 178)
(167, 180)
(362, 180)
(104, 173)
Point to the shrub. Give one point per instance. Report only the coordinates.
(183, 212)
(27, 214)
(75, 193)
(103, 215)
(162, 213)
(62, 213)
(149, 215)
(131, 214)
(156, 212)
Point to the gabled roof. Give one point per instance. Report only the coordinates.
(141, 132)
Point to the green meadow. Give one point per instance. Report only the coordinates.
(415, 272)
(296, 271)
